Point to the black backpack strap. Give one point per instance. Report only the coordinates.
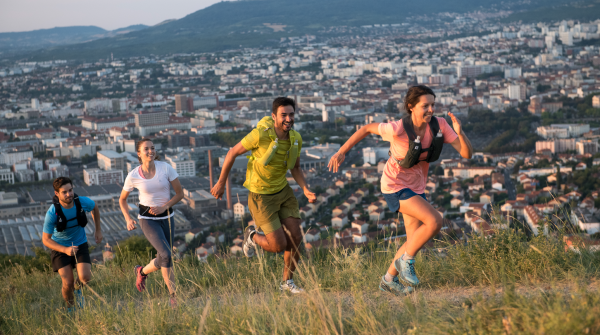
(61, 219)
(437, 143)
(434, 126)
(81, 217)
(409, 128)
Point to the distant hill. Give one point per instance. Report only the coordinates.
(231, 24)
(583, 11)
(43, 38)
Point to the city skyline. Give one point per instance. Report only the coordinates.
(17, 16)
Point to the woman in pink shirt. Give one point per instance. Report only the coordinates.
(403, 188)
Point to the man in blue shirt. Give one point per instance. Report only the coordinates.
(64, 233)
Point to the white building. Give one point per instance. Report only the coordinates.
(25, 176)
(551, 132)
(110, 160)
(100, 177)
(6, 175)
(372, 155)
(517, 92)
(185, 168)
(44, 175)
(239, 210)
(35, 164)
(574, 130)
(469, 172)
(10, 158)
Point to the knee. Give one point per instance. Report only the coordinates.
(85, 278)
(164, 259)
(438, 223)
(280, 245)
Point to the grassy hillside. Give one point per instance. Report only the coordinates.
(495, 285)
(229, 24)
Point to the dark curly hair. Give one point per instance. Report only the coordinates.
(413, 95)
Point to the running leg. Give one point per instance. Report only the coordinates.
(272, 242)
(293, 235)
(430, 221)
(68, 281)
(84, 272)
(411, 225)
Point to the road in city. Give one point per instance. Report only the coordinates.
(509, 184)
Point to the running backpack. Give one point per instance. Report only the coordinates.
(61, 222)
(415, 149)
(264, 157)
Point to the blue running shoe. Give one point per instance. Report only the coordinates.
(394, 287)
(406, 269)
(70, 310)
(79, 299)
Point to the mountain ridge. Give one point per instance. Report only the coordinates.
(231, 25)
(42, 38)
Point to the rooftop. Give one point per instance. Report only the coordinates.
(110, 154)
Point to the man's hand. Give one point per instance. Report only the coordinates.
(71, 251)
(455, 123)
(131, 224)
(157, 210)
(312, 198)
(218, 190)
(335, 161)
(98, 237)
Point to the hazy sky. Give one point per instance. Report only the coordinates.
(24, 15)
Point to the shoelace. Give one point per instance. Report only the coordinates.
(411, 268)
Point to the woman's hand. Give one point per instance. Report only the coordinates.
(158, 210)
(335, 161)
(455, 123)
(131, 224)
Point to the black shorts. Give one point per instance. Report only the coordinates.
(59, 259)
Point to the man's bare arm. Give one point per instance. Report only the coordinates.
(219, 188)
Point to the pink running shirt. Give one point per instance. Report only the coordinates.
(396, 177)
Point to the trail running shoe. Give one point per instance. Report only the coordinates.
(173, 301)
(70, 310)
(249, 246)
(140, 281)
(79, 299)
(406, 269)
(394, 287)
(289, 286)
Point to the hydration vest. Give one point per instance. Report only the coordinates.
(415, 149)
(61, 222)
(264, 156)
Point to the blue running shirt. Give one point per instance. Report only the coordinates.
(73, 234)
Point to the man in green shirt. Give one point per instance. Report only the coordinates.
(275, 149)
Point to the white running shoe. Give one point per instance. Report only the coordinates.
(289, 285)
(249, 247)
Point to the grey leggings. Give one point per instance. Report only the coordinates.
(159, 235)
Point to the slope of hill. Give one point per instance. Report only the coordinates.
(581, 11)
(42, 38)
(499, 284)
(231, 24)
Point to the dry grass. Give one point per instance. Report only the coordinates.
(490, 285)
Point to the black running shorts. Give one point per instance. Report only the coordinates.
(59, 259)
